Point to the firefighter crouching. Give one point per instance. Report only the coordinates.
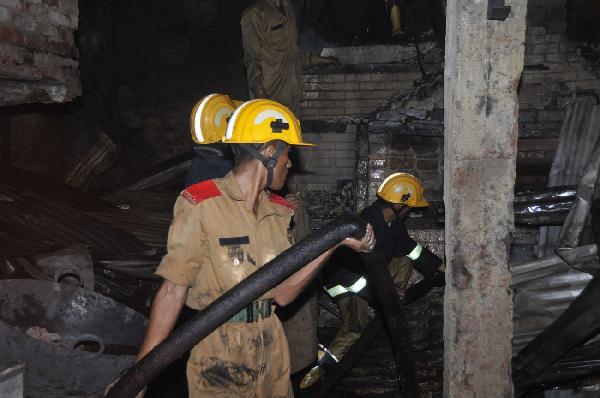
(345, 279)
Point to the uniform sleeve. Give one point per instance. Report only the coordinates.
(423, 259)
(252, 36)
(185, 245)
(427, 263)
(403, 243)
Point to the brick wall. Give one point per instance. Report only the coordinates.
(354, 95)
(348, 96)
(554, 72)
(334, 159)
(38, 57)
(534, 159)
(325, 174)
(381, 154)
(554, 75)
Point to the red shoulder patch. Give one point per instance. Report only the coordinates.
(281, 201)
(200, 192)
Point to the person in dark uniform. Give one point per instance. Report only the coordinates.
(345, 279)
(208, 123)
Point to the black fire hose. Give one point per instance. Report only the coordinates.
(336, 373)
(395, 318)
(233, 301)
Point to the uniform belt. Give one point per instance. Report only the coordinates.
(252, 311)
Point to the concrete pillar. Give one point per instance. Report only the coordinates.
(484, 60)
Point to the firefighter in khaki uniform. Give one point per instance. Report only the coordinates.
(271, 54)
(223, 230)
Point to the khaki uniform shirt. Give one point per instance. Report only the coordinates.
(215, 242)
(271, 53)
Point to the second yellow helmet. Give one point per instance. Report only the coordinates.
(260, 121)
(208, 120)
(402, 188)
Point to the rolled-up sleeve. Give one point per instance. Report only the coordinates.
(185, 245)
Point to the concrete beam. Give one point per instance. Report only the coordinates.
(484, 61)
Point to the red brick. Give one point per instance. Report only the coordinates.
(401, 85)
(356, 112)
(11, 36)
(427, 164)
(69, 5)
(384, 77)
(319, 86)
(322, 95)
(372, 85)
(357, 94)
(401, 162)
(63, 49)
(14, 4)
(346, 86)
(331, 111)
(36, 42)
(66, 35)
(357, 77)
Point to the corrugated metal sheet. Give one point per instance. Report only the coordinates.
(580, 131)
(153, 202)
(38, 215)
(542, 290)
(150, 228)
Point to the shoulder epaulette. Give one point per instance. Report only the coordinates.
(281, 201)
(201, 191)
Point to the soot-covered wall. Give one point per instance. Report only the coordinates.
(143, 65)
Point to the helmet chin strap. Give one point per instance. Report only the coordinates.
(268, 162)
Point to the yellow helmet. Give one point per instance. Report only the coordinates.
(208, 120)
(402, 188)
(260, 121)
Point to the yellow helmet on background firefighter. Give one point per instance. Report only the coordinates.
(208, 120)
(402, 188)
(260, 121)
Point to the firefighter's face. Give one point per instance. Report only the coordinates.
(281, 170)
(401, 210)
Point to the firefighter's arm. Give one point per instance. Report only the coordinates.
(311, 59)
(252, 36)
(166, 308)
(289, 289)
(425, 261)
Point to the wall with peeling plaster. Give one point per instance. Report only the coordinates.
(38, 57)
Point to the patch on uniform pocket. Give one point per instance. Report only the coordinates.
(237, 255)
(234, 241)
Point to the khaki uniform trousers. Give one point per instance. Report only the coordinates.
(241, 360)
(354, 310)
